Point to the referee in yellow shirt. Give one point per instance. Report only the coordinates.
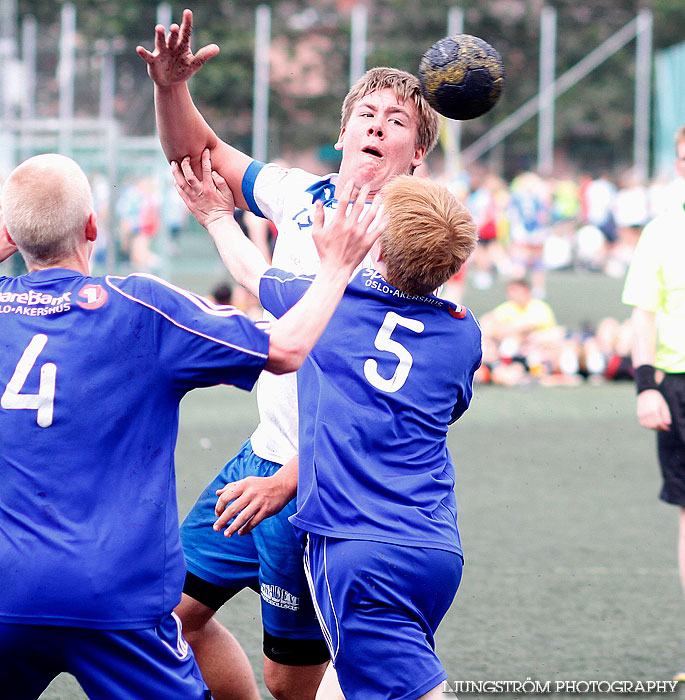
(655, 287)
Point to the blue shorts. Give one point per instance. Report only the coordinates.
(268, 559)
(132, 664)
(382, 603)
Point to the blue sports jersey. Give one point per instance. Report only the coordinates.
(377, 394)
(92, 370)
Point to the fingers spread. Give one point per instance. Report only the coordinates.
(144, 54)
(205, 53)
(186, 29)
(160, 38)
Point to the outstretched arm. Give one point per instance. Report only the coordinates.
(182, 129)
(341, 245)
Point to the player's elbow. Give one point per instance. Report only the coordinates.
(285, 355)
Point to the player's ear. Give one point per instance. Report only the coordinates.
(91, 227)
(339, 143)
(419, 153)
(6, 233)
(377, 252)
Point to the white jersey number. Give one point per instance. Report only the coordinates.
(385, 342)
(44, 401)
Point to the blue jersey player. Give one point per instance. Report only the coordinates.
(92, 370)
(375, 497)
(387, 127)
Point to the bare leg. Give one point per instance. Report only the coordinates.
(291, 682)
(224, 665)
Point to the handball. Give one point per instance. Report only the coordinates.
(461, 76)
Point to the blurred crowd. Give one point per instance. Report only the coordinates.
(523, 343)
(533, 224)
(527, 227)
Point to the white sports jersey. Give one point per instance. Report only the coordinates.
(286, 197)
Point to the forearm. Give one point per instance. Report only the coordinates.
(644, 337)
(241, 257)
(298, 330)
(183, 131)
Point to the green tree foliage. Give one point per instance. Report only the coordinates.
(593, 120)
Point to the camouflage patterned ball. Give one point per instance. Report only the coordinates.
(461, 76)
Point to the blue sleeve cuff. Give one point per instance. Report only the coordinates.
(249, 179)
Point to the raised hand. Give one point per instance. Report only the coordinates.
(208, 199)
(172, 61)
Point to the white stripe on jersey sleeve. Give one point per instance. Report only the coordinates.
(205, 305)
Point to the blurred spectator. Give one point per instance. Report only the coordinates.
(599, 195)
(175, 216)
(631, 213)
(487, 204)
(524, 331)
(529, 218)
(522, 343)
(141, 253)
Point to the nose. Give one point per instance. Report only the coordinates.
(375, 129)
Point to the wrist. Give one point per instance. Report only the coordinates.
(645, 379)
(216, 223)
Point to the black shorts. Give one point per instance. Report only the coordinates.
(282, 650)
(671, 443)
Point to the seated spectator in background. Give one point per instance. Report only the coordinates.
(525, 331)
(520, 316)
(221, 292)
(614, 341)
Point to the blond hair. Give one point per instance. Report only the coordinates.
(429, 236)
(46, 202)
(406, 87)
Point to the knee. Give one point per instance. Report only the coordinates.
(284, 686)
(278, 687)
(292, 682)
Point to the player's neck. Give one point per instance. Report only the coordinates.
(72, 263)
(381, 268)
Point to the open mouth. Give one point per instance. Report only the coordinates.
(372, 151)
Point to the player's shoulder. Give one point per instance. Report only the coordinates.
(155, 292)
(295, 178)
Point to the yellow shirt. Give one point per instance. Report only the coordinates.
(537, 314)
(656, 282)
